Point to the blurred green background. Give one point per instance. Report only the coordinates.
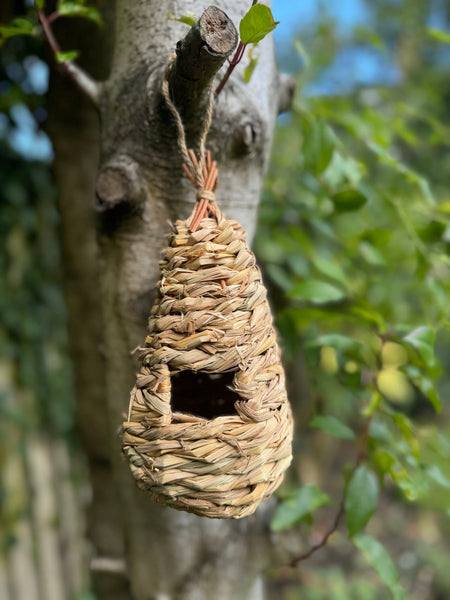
(353, 240)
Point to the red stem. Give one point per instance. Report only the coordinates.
(48, 32)
(234, 61)
(55, 15)
(341, 510)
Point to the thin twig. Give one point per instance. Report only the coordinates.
(341, 510)
(89, 86)
(49, 33)
(53, 16)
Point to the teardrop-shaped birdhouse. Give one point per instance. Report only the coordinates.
(209, 427)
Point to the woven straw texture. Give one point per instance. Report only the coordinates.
(211, 317)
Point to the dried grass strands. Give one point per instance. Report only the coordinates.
(226, 465)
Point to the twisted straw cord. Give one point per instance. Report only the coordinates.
(196, 169)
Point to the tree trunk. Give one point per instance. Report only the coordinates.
(140, 187)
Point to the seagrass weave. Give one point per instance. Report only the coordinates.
(209, 426)
(223, 466)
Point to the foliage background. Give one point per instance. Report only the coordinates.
(353, 239)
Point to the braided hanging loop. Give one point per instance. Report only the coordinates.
(209, 427)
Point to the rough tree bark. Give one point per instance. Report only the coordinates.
(110, 285)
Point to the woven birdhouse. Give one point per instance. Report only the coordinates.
(209, 426)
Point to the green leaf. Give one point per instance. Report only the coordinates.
(39, 4)
(23, 24)
(371, 254)
(436, 474)
(187, 19)
(411, 176)
(256, 24)
(360, 499)
(348, 200)
(318, 146)
(427, 387)
(75, 9)
(8, 31)
(374, 403)
(332, 426)
(318, 292)
(380, 560)
(253, 60)
(406, 428)
(279, 276)
(62, 57)
(302, 52)
(297, 506)
(388, 463)
(330, 268)
(441, 36)
(444, 207)
(336, 340)
(368, 315)
(423, 339)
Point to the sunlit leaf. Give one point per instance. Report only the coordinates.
(78, 9)
(375, 400)
(66, 56)
(302, 52)
(440, 35)
(253, 60)
(187, 19)
(318, 292)
(410, 175)
(380, 560)
(438, 476)
(9, 31)
(297, 506)
(405, 426)
(318, 146)
(24, 24)
(329, 267)
(280, 277)
(256, 24)
(332, 426)
(337, 340)
(427, 387)
(360, 499)
(371, 254)
(423, 340)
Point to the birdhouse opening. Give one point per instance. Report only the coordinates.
(206, 395)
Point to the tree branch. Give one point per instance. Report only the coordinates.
(286, 92)
(341, 510)
(84, 81)
(210, 41)
(107, 564)
(87, 85)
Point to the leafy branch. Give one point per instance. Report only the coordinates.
(65, 8)
(342, 505)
